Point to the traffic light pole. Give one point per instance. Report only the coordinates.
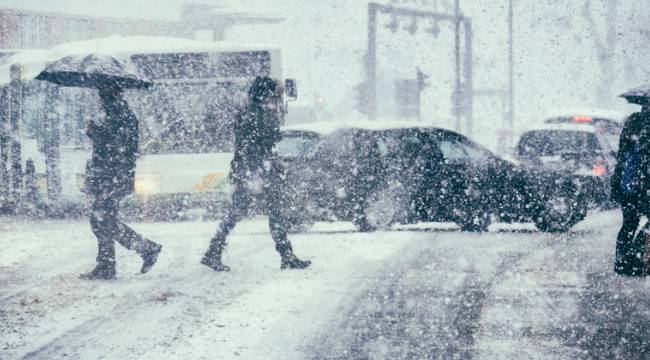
(511, 96)
(371, 61)
(463, 86)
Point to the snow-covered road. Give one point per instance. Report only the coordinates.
(426, 291)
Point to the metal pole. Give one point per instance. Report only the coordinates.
(469, 79)
(511, 97)
(371, 62)
(457, 86)
(52, 144)
(15, 114)
(4, 148)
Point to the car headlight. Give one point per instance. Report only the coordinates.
(147, 184)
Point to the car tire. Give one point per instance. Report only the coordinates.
(476, 223)
(561, 211)
(383, 209)
(476, 218)
(297, 226)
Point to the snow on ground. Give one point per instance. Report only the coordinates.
(181, 309)
(531, 287)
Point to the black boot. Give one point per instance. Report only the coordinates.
(149, 258)
(289, 259)
(212, 258)
(103, 271)
(292, 262)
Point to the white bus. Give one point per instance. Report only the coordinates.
(185, 118)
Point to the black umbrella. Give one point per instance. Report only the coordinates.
(639, 95)
(94, 71)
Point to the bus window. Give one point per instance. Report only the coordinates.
(244, 64)
(188, 119)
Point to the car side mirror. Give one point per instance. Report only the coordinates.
(291, 89)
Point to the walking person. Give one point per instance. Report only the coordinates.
(110, 176)
(255, 170)
(629, 187)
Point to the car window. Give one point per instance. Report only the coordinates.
(296, 146)
(476, 154)
(557, 142)
(452, 149)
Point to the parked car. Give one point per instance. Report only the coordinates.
(608, 124)
(378, 174)
(581, 155)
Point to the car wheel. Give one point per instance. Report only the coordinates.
(560, 211)
(383, 208)
(299, 225)
(476, 217)
(476, 223)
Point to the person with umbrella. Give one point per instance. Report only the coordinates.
(110, 174)
(630, 183)
(254, 170)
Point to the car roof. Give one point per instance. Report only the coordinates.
(328, 127)
(562, 127)
(609, 114)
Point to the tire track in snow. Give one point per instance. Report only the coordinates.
(414, 313)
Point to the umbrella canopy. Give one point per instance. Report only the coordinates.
(639, 95)
(95, 71)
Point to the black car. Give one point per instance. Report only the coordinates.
(581, 155)
(296, 150)
(378, 174)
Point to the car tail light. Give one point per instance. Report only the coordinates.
(583, 119)
(600, 168)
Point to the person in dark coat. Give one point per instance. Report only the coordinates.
(635, 135)
(110, 176)
(256, 170)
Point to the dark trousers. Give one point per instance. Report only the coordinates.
(273, 205)
(629, 247)
(108, 228)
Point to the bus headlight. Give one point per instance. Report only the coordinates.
(147, 184)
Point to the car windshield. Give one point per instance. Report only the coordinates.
(297, 145)
(557, 142)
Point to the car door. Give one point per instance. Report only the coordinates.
(492, 178)
(455, 175)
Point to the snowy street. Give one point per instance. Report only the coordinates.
(425, 291)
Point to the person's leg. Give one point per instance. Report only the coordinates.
(240, 202)
(127, 237)
(628, 261)
(274, 204)
(102, 223)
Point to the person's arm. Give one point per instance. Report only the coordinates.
(623, 149)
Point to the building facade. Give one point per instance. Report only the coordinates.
(20, 29)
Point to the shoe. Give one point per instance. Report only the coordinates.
(214, 263)
(103, 271)
(292, 262)
(149, 259)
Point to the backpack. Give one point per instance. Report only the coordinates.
(632, 175)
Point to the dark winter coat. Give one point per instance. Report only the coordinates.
(636, 130)
(111, 170)
(256, 131)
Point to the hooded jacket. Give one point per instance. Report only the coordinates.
(111, 170)
(636, 130)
